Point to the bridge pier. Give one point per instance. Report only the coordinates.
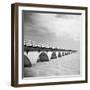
(33, 56)
(49, 54)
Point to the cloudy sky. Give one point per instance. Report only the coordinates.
(59, 30)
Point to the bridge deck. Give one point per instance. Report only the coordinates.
(36, 48)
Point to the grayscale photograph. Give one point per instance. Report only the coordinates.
(51, 43)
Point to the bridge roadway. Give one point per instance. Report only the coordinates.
(36, 48)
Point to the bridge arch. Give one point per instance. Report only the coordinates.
(27, 62)
(59, 54)
(53, 55)
(43, 57)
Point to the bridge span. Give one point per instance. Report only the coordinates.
(42, 54)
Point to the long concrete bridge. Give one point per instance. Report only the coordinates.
(37, 53)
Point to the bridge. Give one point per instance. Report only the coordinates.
(41, 53)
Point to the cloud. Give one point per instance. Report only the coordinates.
(58, 29)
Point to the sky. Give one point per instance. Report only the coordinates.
(56, 30)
